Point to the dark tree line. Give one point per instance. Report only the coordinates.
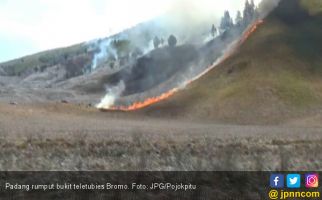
(250, 13)
(172, 41)
(157, 42)
(226, 21)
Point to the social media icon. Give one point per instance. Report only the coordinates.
(277, 181)
(293, 180)
(311, 180)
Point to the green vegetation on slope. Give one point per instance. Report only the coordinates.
(274, 77)
(42, 60)
(313, 6)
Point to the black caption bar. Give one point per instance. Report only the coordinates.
(134, 185)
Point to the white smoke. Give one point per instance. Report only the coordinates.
(210, 37)
(149, 48)
(186, 19)
(105, 50)
(266, 6)
(112, 93)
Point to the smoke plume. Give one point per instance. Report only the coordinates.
(189, 21)
(105, 51)
(266, 6)
(112, 93)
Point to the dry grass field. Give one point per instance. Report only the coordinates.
(67, 137)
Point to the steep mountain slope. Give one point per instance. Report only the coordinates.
(275, 77)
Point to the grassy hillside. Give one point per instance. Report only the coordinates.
(276, 76)
(313, 6)
(42, 60)
(154, 68)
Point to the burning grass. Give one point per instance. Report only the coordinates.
(267, 81)
(147, 102)
(166, 95)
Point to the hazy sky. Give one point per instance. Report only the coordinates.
(29, 26)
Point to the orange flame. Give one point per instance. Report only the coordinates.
(249, 31)
(147, 102)
(166, 95)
